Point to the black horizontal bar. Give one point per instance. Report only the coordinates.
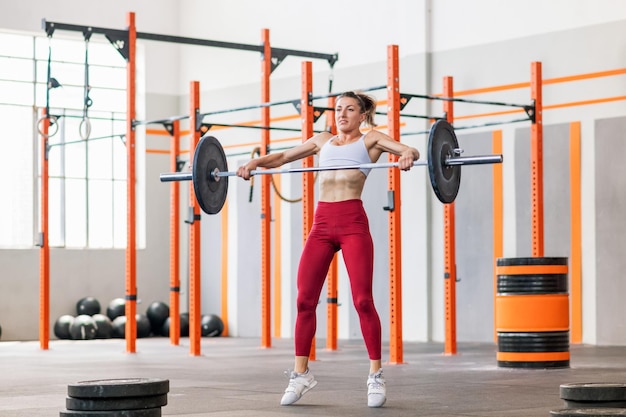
(295, 102)
(330, 58)
(251, 107)
(199, 42)
(286, 129)
(76, 116)
(159, 121)
(415, 116)
(464, 100)
(364, 90)
(380, 113)
(50, 27)
(505, 122)
(419, 132)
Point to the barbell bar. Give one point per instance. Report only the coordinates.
(451, 161)
(210, 172)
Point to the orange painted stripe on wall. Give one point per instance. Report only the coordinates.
(545, 107)
(576, 234)
(586, 76)
(556, 80)
(584, 102)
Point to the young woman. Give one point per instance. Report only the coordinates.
(340, 223)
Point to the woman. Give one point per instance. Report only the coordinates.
(340, 223)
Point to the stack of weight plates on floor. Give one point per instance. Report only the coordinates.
(592, 399)
(131, 397)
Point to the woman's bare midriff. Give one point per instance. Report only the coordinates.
(341, 185)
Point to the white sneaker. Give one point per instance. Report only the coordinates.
(376, 391)
(299, 384)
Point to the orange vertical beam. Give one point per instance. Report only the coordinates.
(498, 219)
(175, 238)
(224, 279)
(306, 115)
(395, 234)
(332, 290)
(277, 261)
(44, 247)
(449, 244)
(576, 234)
(536, 161)
(266, 215)
(131, 238)
(195, 278)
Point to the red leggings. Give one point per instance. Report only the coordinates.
(339, 225)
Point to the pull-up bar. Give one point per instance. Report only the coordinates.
(119, 40)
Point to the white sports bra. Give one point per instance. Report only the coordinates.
(354, 153)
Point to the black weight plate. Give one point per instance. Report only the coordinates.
(533, 341)
(115, 388)
(531, 261)
(594, 391)
(532, 284)
(589, 412)
(149, 412)
(119, 403)
(210, 191)
(595, 404)
(445, 179)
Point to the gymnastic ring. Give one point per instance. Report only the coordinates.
(84, 128)
(53, 122)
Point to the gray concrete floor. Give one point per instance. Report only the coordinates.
(236, 377)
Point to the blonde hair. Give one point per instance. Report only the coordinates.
(366, 103)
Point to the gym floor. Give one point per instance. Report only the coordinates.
(236, 377)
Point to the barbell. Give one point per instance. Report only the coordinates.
(210, 173)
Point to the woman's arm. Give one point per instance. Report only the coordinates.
(381, 142)
(275, 160)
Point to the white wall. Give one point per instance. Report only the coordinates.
(361, 30)
(358, 31)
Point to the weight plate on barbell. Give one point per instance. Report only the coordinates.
(445, 179)
(210, 190)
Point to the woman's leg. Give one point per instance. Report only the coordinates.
(316, 257)
(358, 253)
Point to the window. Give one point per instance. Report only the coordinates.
(87, 177)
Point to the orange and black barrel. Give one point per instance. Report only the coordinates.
(532, 312)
